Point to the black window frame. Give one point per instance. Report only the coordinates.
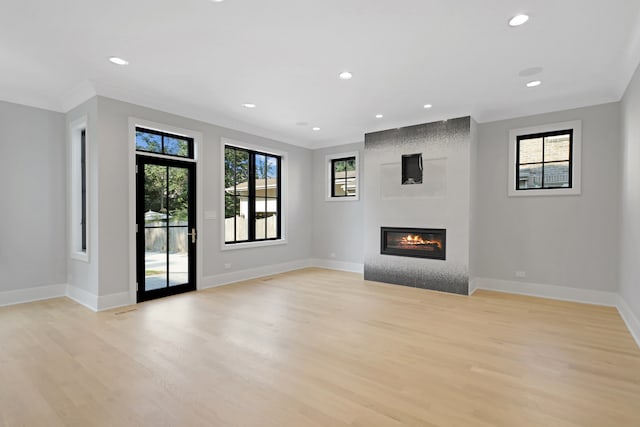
(83, 190)
(544, 135)
(163, 135)
(251, 234)
(333, 176)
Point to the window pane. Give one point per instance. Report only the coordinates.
(272, 167)
(352, 184)
(556, 148)
(351, 164)
(148, 142)
(261, 166)
(271, 222)
(261, 218)
(242, 219)
(530, 177)
(242, 172)
(339, 185)
(531, 150)
(556, 175)
(176, 146)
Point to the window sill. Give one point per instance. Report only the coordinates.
(80, 256)
(249, 245)
(549, 192)
(341, 199)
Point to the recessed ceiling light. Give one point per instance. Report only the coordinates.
(118, 61)
(534, 83)
(379, 116)
(518, 20)
(345, 75)
(428, 106)
(316, 128)
(249, 105)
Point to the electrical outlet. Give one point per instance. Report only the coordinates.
(521, 273)
(227, 266)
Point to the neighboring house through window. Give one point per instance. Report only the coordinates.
(342, 176)
(545, 160)
(252, 199)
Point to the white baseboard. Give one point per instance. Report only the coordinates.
(564, 293)
(107, 302)
(473, 286)
(83, 297)
(253, 273)
(96, 302)
(330, 264)
(20, 296)
(633, 324)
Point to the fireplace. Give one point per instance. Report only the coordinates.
(413, 242)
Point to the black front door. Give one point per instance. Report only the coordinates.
(166, 233)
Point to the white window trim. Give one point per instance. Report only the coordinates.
(198, 139)
(75, 187)
(329, 184)
(576, 125)
(224, 246)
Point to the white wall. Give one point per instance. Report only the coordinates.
(630, 197)
(82, 276)
(113, 131)
(569, 241)
(32, 212)
(337, 225)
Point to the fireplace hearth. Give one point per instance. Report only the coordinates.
(413, 242)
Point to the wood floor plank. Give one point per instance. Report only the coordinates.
(319, 348)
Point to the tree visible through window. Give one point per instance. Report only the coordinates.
(544, 160)
(343, 177)
(252, 199)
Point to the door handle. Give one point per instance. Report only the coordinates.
(193, 235)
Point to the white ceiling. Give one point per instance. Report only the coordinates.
(204, 60)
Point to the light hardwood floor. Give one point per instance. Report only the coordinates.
(319, 348)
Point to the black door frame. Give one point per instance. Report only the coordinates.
(141, 293)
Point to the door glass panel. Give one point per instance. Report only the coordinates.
(165, 198)
(155, 260)
(178, 255)
(178, 196)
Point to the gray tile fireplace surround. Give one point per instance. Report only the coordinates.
(441, 201)
(419, 277)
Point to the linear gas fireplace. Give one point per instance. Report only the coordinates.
(413, 242)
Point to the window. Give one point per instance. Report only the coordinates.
(342, 176)
(157, 142)
(83, 190)
(252, 195)
(79, 144)
(545, 160)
